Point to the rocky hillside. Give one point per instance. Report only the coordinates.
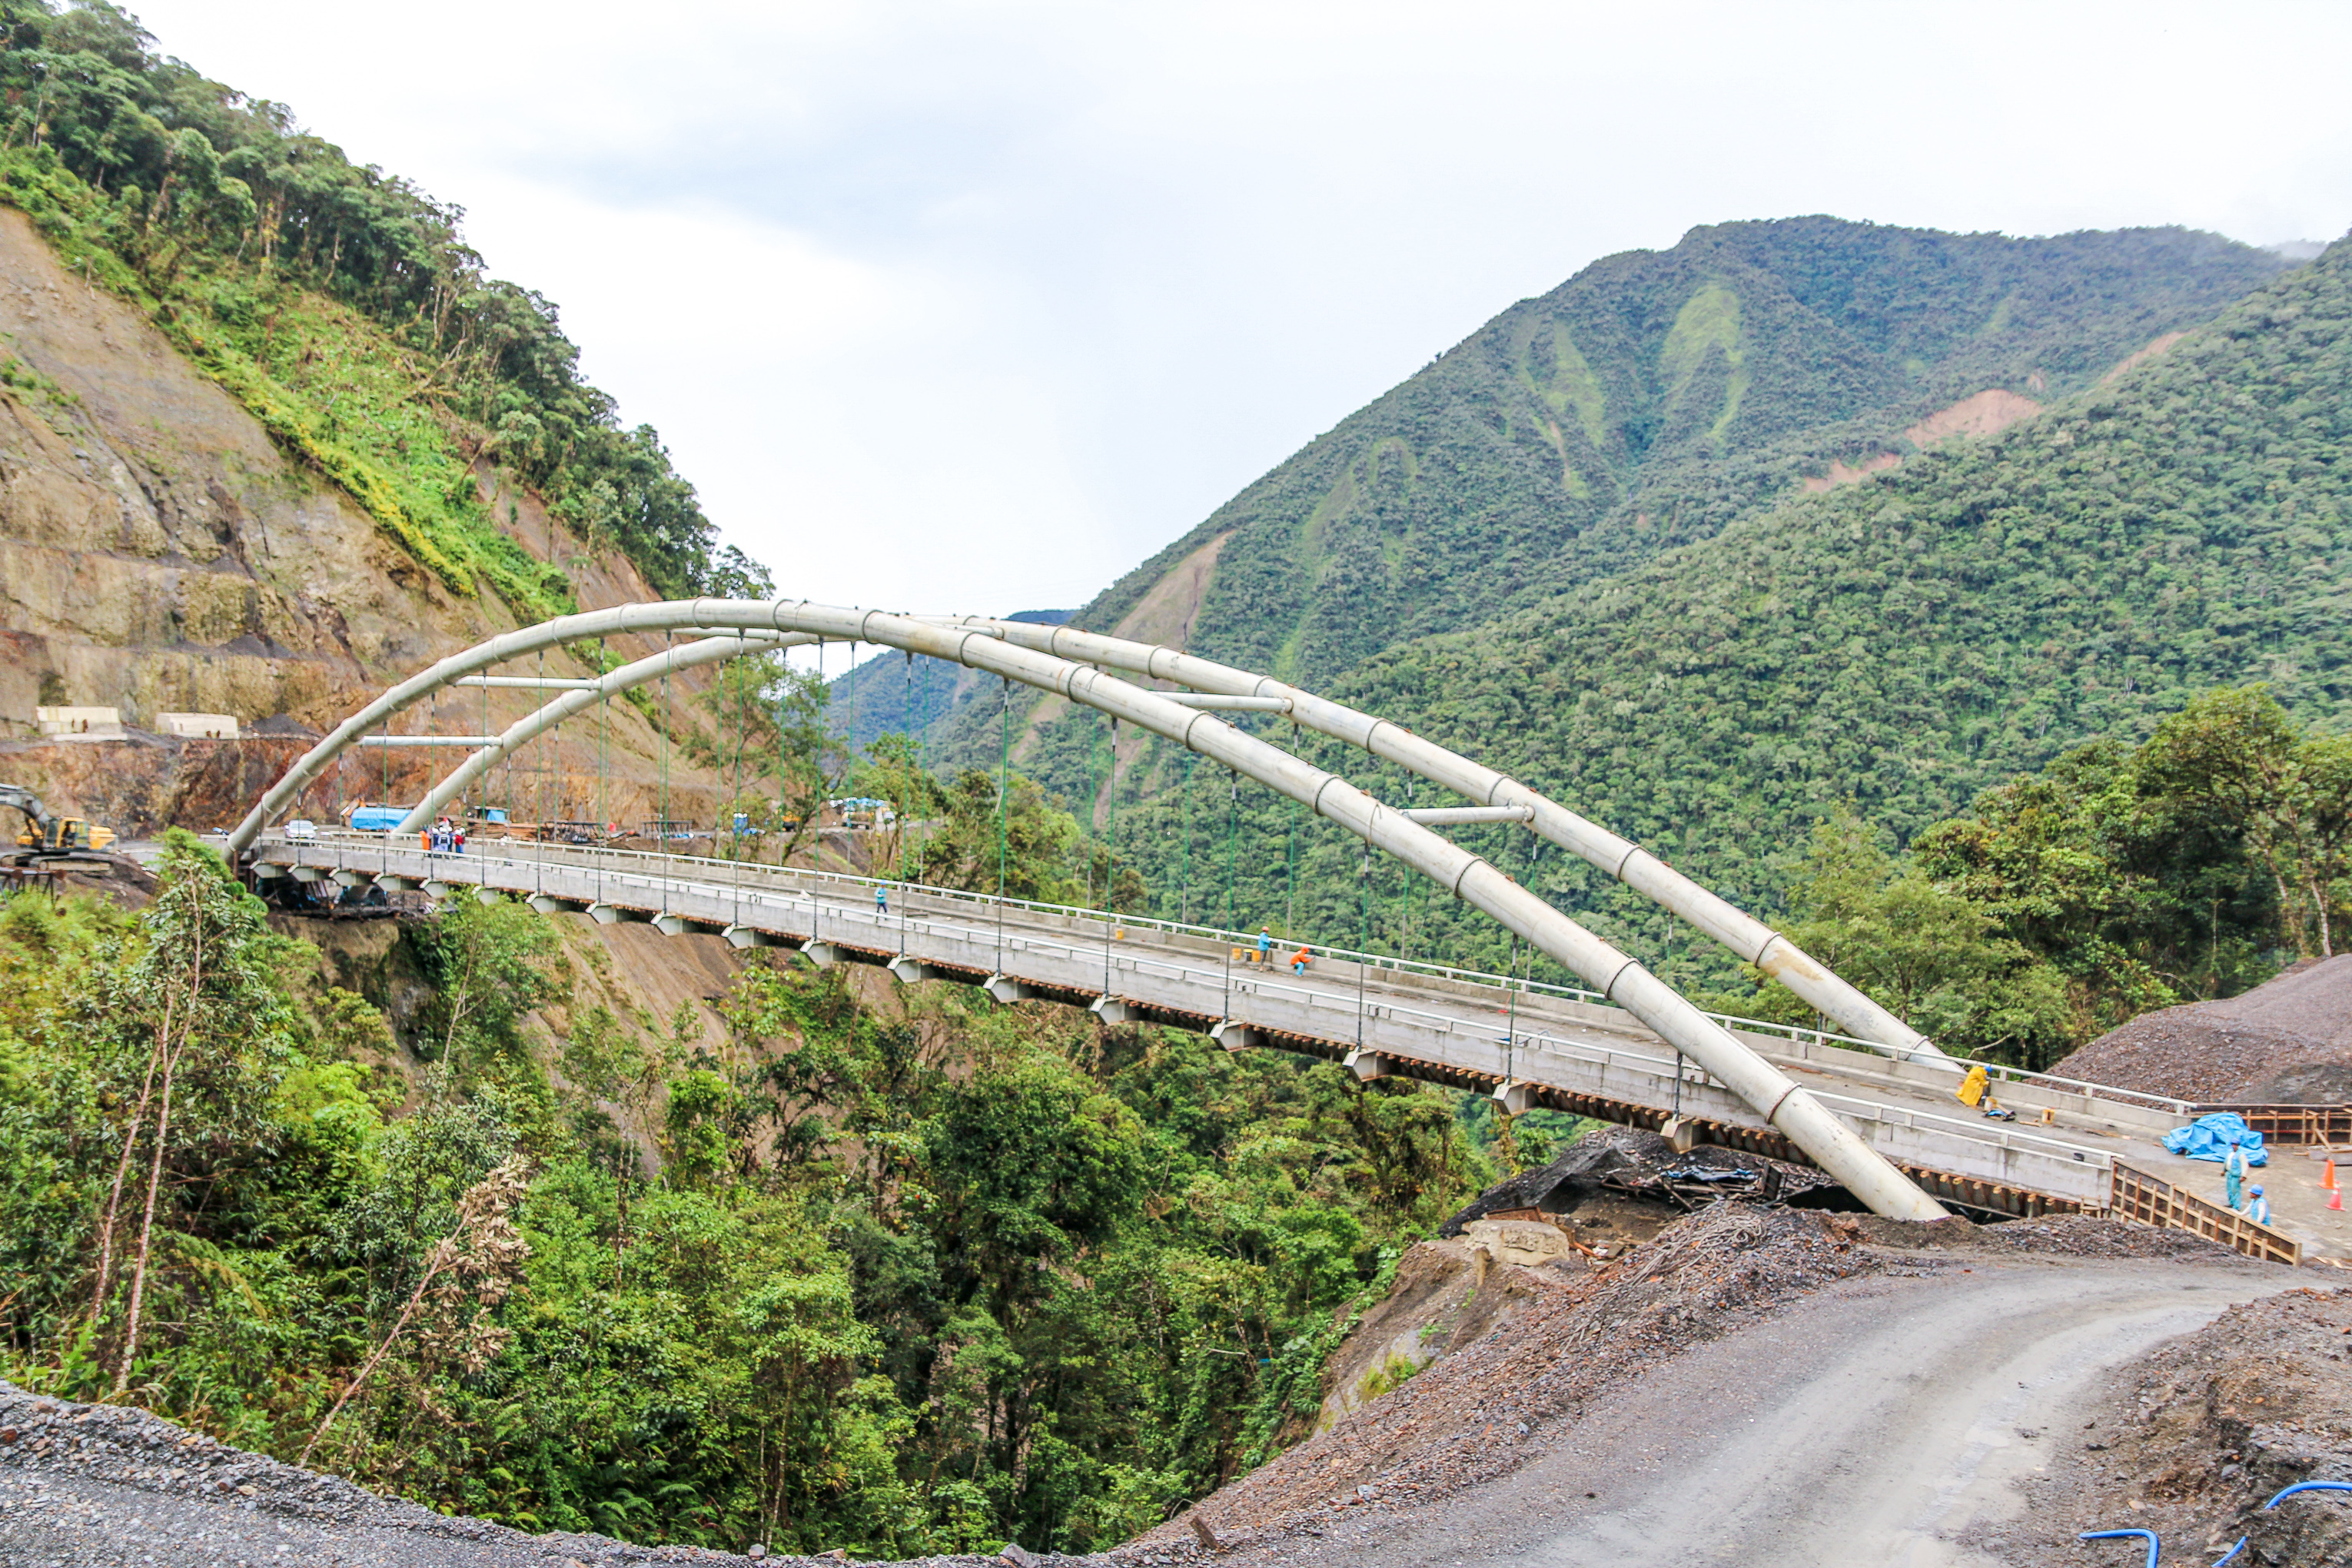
(160, 551)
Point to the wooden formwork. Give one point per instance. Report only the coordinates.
(2152, 1200)
(2292, 1124)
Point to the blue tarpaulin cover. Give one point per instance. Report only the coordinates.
(2209, 1137)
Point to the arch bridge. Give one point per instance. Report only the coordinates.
(1874, 1109)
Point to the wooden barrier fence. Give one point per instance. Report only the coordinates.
(2151, 1200)
(2292, 1124)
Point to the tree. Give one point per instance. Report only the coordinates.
(1930, 955)
(2234, 752)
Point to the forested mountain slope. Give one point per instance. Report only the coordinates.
(1642, 403)
(1900, 643)
(270, 438)
(1908, 640)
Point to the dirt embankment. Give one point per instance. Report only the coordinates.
(2288, 1042)
(2195, 1438)
(1583, 1344)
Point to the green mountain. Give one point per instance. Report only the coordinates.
(1902, 642)
(1642, 405)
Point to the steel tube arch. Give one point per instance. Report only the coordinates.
(1617, 976)
(1749, 938)
(584, 695)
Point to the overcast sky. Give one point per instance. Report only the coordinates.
(973, 307)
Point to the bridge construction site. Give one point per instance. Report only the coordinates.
(1874, 1106)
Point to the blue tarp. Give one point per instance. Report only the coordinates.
(2209, 1137)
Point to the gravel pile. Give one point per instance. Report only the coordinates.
(85, 1485)
(2196, 1436)
(2062, 1235)
(2285, 1043)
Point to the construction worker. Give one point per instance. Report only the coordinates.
(2233, 1172)
(2258, 1210)
(881, 899)
(1971, 1092)
(1265, 947)
(1298, 962)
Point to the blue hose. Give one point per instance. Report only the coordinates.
(2124, 1535)
(2233, 1552)
(2307, 1486)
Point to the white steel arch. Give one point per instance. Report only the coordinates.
(1749, 939)
(1617, 976)
(686, 655)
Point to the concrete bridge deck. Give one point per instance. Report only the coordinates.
(1530, 1045)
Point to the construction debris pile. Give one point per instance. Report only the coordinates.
(2197, 1435)
(2288, 1042)
(1644, 1167)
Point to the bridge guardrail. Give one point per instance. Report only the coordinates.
(1466, 1039)
(735, 871)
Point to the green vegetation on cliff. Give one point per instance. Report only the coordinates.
(337, 303)
(898, 1270)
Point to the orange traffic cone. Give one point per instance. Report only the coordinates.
(2336, 1201)
(2327, 1174)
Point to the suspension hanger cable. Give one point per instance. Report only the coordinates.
(1184, 817)
(1004, 784)
(1094, 801)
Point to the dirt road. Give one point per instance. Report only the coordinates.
(1876, 1423)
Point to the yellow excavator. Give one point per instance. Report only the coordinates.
(48, 838)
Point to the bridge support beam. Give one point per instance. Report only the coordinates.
(1007, 990)
(1367, 1065)
(911, 970)
(823, 954)
(1498, 798)
(1514, 1098)
(751, 936)
(1111, 1010)
(686, 925)
(546, 905)
(615, 915)
(1237, 1037)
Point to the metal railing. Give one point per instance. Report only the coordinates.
(734, 872)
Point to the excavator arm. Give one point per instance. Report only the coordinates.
(52, 835)
(26, 801)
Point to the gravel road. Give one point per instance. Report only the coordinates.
(1878, 1422)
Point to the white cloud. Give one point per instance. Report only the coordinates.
(972, 306)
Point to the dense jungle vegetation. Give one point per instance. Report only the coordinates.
(896, 1270)
(338, 304)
